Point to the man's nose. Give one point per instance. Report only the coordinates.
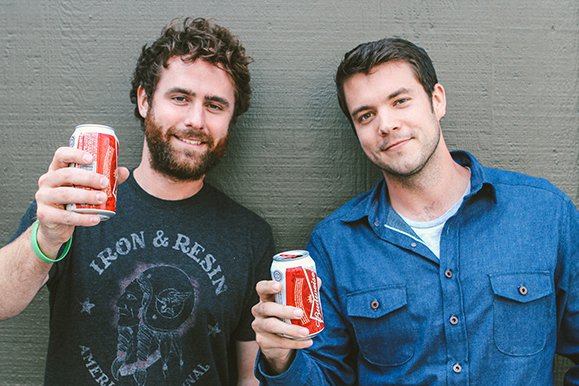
(387, 122)
(195, 116)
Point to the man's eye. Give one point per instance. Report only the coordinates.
(364, 117)
(180, 99)
(401, 101)
(215, 106)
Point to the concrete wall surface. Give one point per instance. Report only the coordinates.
(510, 69)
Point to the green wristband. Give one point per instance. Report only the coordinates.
(39, 253)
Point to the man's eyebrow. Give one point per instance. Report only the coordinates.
(401, 90)
(208, 98)
(180, 90)
(218, 99)
(361, 108)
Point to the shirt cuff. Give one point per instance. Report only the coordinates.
(296, 374)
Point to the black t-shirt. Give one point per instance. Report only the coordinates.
(158, 294)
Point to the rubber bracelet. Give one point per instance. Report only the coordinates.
(39, 253)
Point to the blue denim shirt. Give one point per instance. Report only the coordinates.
(502, 299)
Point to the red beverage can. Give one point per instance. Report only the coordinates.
(102, 143)
(296, 271)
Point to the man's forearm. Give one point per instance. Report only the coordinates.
(22, 274)
(246, 353)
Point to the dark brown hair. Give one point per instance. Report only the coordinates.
(192, 39)
(368, 55)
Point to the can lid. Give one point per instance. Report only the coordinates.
(94, 127)
(291, 255)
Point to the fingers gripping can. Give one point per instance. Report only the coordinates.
(296, 271)
(102, 143)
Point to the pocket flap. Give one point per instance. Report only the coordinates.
(376, 302)
(522, 287)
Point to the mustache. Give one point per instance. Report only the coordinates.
(191, 135)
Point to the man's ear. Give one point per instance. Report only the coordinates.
(439, 101)
(142, 102)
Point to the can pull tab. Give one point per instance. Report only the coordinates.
(291, 255)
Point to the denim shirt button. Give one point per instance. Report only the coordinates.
(523, 290)
(413, 245)
(457, 368)
(448, 274)
(375, 304)
(453, 320)
(376, 224)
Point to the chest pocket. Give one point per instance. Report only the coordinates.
(523, 312)
(382, 325)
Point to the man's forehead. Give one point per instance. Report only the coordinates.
(392, 71)
(189, 74)
(386, 77)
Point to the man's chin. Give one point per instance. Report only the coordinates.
(183, 173)
(183, 176)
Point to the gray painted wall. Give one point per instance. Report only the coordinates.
(510, 69)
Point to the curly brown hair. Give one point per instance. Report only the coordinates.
(191, 39)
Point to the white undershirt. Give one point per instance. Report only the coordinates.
(430, 231)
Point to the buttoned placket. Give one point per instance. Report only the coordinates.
(452, 313)
(454, 326)
(448, 263)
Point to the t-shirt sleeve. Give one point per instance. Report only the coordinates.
(263, 247)
(27, 219)
(25, 222)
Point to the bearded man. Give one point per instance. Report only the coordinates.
(162, 292)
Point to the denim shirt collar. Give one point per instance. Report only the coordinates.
(376, 205)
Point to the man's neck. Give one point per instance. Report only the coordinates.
(165, 187)
(428, 194)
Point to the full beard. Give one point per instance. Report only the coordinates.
(192, 165)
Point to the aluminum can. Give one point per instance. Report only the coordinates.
(103, 144)
(296, 271)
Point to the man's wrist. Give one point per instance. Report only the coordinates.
(44, 249)
(279, 364)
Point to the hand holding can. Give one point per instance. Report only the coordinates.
(296, 271)
(102, 143)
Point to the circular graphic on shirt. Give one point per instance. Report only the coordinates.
(168, 297)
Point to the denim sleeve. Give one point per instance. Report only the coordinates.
(568, 293)
(302, 371)
(328, 361)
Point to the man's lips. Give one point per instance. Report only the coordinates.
(190, 141)
(394, 145)
(193, 141)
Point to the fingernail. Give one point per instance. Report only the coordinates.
(86, 157)
(298, 313)
(304, 331)
(277, 286)
(104, 182)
